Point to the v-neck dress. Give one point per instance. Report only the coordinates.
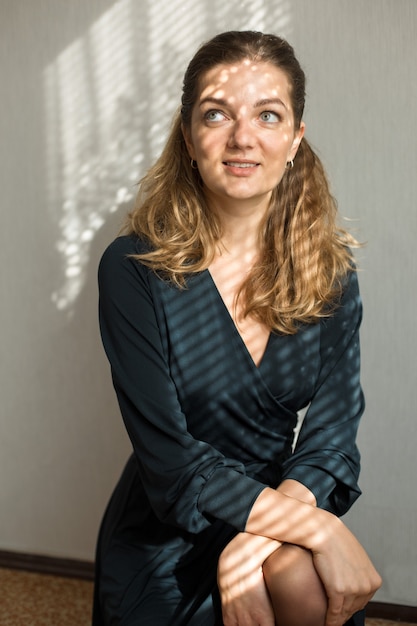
(209, 431)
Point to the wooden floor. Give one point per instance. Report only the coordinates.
(29, 599)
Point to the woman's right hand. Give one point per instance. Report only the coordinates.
(244, 596)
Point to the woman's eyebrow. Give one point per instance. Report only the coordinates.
(213, 100)
(268, 101)
(258, 104)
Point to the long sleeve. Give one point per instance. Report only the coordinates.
(326, 458)
(188, 482)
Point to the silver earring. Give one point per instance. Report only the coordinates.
(290, 164)
(194, 165)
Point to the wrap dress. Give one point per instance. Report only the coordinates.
(209, 431)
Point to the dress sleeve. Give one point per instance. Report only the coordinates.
(326, 458)
(188, 483)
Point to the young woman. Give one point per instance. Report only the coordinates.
(229, 312)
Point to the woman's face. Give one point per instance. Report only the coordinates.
(242, 132)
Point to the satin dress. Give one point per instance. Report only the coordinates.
(209, 431)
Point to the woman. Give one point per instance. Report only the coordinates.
(229, 310)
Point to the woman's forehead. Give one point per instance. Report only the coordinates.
(262, 79)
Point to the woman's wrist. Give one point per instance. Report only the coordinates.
(287, 519)
(255, 546)
(295, 489)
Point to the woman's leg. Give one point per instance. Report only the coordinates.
(296, 591)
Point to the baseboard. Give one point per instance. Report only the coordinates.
(73, 568)
(393, 612)
(69, 568)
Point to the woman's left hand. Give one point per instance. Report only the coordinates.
(244, 596)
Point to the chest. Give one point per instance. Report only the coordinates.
(247, 412)
(208, 356)
(227, 277)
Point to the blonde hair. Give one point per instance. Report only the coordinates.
(304, 255)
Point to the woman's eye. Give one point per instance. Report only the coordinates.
(214, 116)
(269, 116)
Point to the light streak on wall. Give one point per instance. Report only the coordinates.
(109, 99)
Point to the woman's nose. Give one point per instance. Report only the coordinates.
(242, 134)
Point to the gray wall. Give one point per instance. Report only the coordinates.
(87, 89)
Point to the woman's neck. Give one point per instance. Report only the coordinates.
(241, 221)
(240, 234)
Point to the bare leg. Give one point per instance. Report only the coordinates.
(296, 591)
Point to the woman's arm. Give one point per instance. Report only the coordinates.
(297, 490)
(348, 575)
(243, 591)
(187, 481)
(326, 459)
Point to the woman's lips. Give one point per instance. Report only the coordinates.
(241, 164)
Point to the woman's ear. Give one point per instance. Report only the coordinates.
(299, 134)
(186, 133)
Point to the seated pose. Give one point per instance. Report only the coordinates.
(230, 314)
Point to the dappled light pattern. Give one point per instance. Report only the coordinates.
(109, 99)
(95, 139)
(210, 429)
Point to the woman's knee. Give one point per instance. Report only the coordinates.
(296, 591)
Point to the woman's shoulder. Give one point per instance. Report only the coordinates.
(119, 260)
(346, 316)
(126, 245)
(350, 286)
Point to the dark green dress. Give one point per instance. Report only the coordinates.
(209, 431)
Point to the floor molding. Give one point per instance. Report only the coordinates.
(69, 568)
(392, 612)
(73, 568)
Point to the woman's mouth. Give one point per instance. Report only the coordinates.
(241, 164)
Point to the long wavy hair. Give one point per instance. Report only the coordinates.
(304, 256)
